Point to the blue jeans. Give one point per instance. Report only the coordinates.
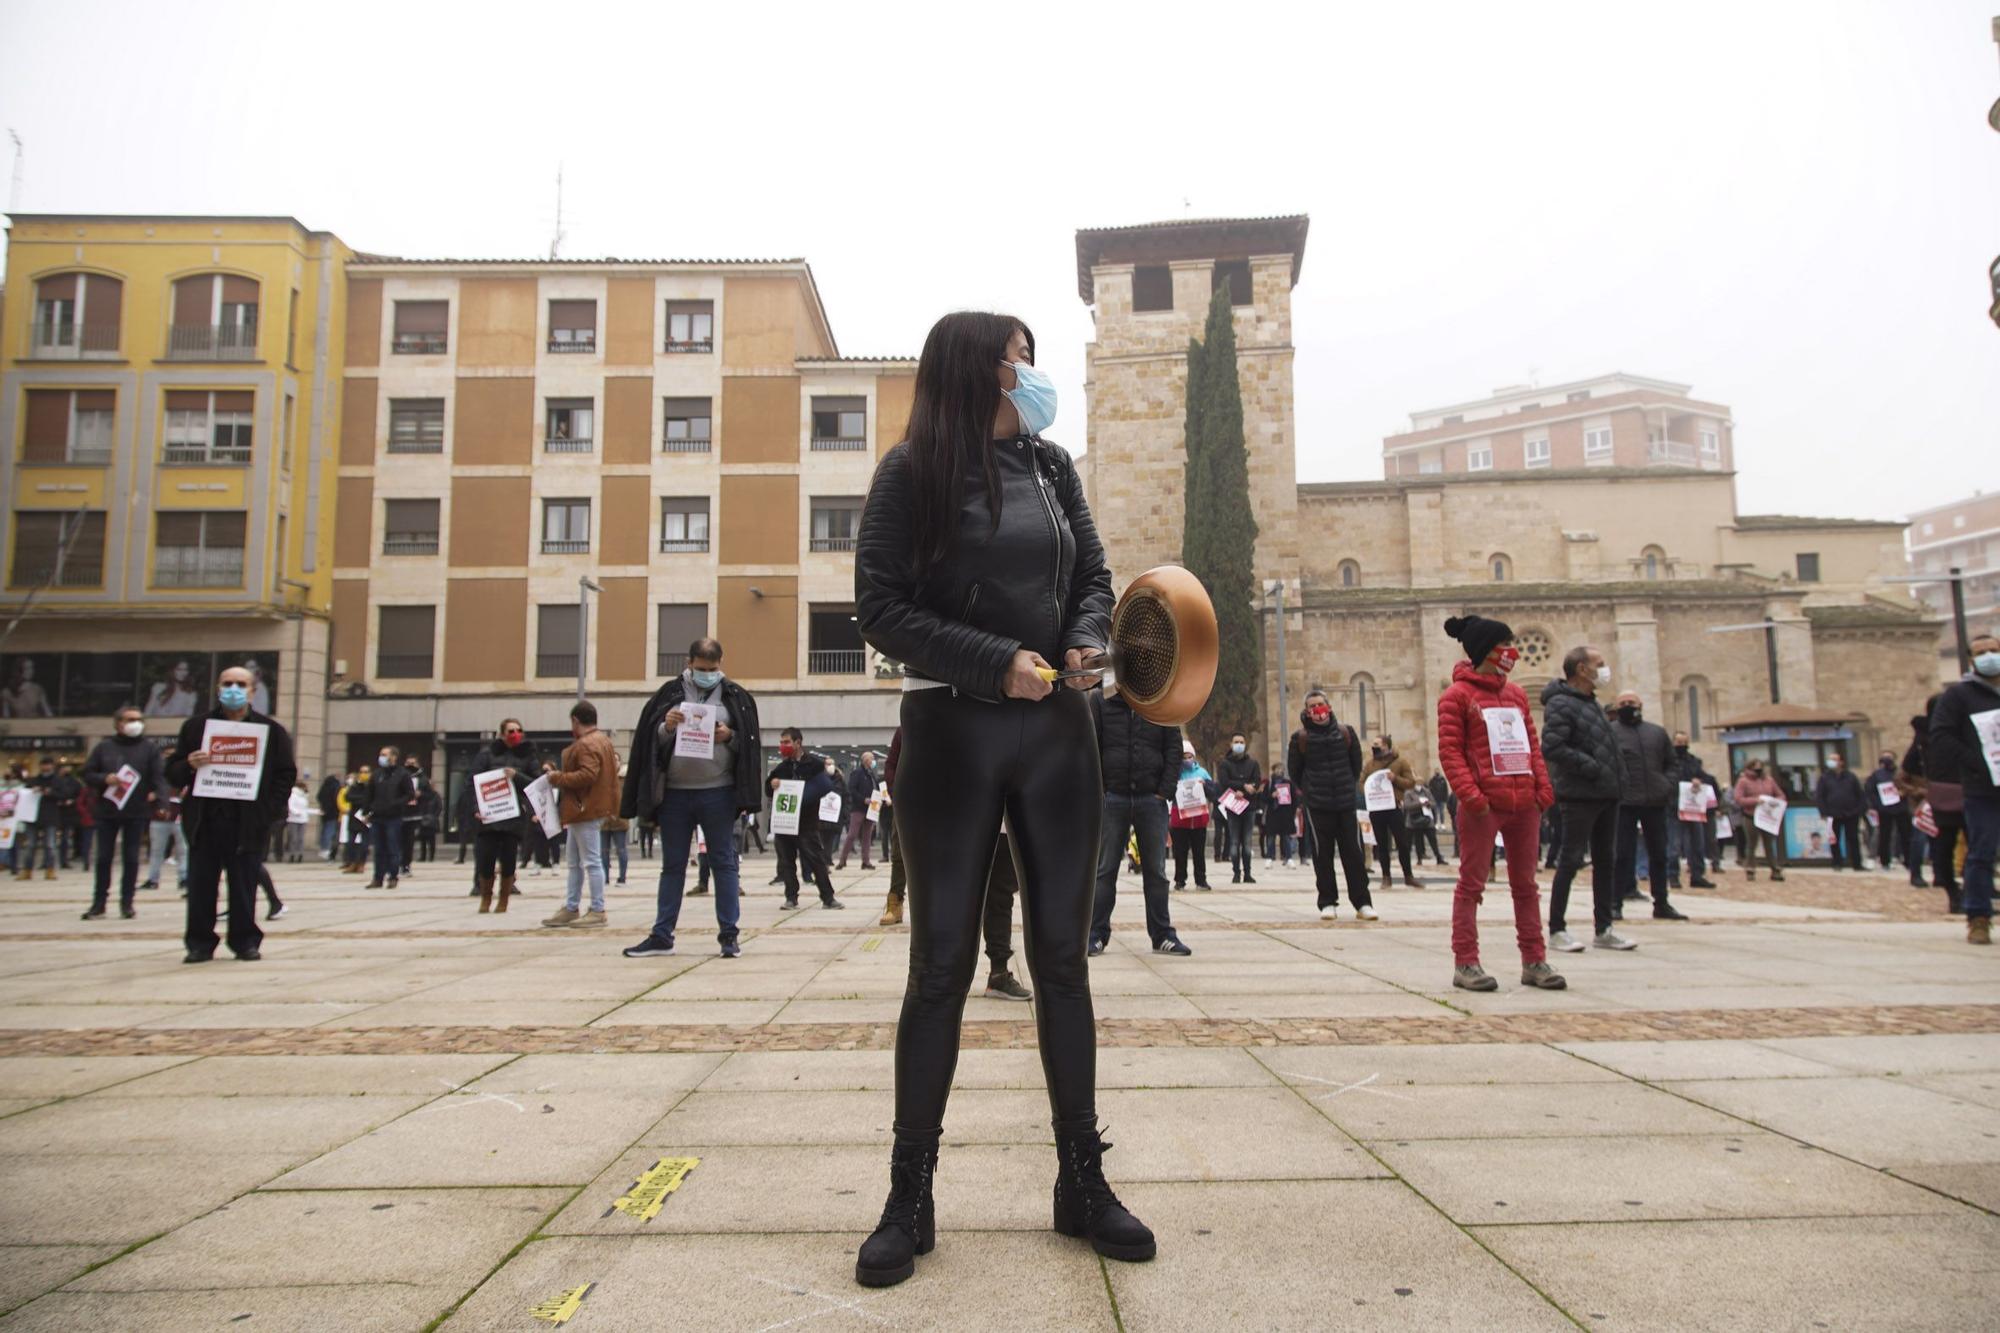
(1982, 838)
(27, 837)
(583, 853)
(327, 829)
(714, 809)
(614, 840)
(387, 835)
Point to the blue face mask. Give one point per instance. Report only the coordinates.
(234, 696)
(707, 680)
(1987, 664)
(1033, 396)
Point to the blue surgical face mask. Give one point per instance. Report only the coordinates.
(1987, 664)
(1033, 396)
(707, 680)
(1237, 748)
(234, 696)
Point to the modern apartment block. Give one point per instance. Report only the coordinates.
(1616, 420)
(1962, 535)
(682, 434)
(169, 390)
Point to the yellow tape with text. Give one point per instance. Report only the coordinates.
(564, 1307)
(649, 1192)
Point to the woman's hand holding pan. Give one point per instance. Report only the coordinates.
(1024, 679)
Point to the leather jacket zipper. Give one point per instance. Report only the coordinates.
(1055, 538)
(971, 600)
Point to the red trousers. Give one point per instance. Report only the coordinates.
(1522, 830)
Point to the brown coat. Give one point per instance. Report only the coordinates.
(588, 780)
(1400, 774)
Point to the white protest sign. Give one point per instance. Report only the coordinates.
(1282, 793)
(493, 793)
(1925, 820)
(785, 802)
(1886, 791)
(829, 807)
(1770, 815)
(1723, 828)
(542, 800)
(1190, 796)
(695, 738)
(1987, 725)
(1380, 789)
(27, 805)
(6, 833)
(1694, 802)
(235, 759)
(118, 790)
(1233, 802)
(875, 808)
(1507, 739)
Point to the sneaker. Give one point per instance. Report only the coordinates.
(789, 905)
(248, 956)
(650, 947)
(697, 891)
(1331, 912)
(275, 912)
(1249, 879)
(1473, 978)
(149, 884)
(832, 905)
(1366, 914)
(774, 883)
(94, 914)
(1564, 942)
(730, 949)
(374, 884)
(127, 912)
(1668, 912)
(1180, 886)
(1611, 939)
(1004, 986)
(1172, 944)
(562, 917)
(588, 921)
(1701, 883)
(1204, 888)
(1542, 977)
(1097, 947)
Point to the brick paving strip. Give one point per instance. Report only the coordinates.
(1665, 1025)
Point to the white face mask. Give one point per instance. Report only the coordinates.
(1604, 675)
(135, 728)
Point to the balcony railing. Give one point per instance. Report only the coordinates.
(838, 443)
(832, 543)
(235, 455)
(197, 567)
(72, 339)
(410, 543)
(672, 446)
(76, 573)
(1671, 453)
(690, 345)
(683, 545)
(671, 664)
(403, 666)
(212, 342)
(567, 444)
(415, 445)
(836, 661)
(555, 664)
(572, 340)
(94, 455)
(552, 547)
(418, 344)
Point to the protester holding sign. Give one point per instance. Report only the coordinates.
(1651, 782)
(1965, 749)
(1756, 796)
(1839, 797)
(125, 777)
(1892, 813)
(1391, 775)
(226, 815)
(1187, 822)
(1489, 752)
(500, 811)
(802, 851)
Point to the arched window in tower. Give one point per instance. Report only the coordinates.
(1694, 705)
(1500, 567)
(1365, 698)
(1350, 574)
(1653, 562)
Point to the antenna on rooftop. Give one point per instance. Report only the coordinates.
(20, 171)
(555, 242)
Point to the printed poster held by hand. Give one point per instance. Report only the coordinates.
(27, 805)
(542, 800)
(1189, 796)
(235, 767)
(1694, 802)
(1987, 727)
(1770, 816)
(785, 803)
(121, 785)
(695, 737)
(1380, 789)
(1233, 802)
(494, 790)
(829, 807)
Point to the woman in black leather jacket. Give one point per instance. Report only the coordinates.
(977, 567)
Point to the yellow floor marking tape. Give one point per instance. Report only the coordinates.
(649, 1192)
(561, 1309)
(871, 944)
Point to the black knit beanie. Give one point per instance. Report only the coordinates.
(1479, 635)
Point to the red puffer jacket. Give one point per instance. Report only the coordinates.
(1466, 755)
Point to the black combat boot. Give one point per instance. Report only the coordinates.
(1084, 1203)
(908, 1227)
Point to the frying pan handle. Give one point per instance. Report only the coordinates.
(1052, 675)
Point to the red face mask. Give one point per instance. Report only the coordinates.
(1320, 714)
(1504, 658)
(513, 738)
(788, 749)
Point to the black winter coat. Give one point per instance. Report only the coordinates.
(1325, 764)
(860, 786)
(1838, 795)
(1139, 758)
(809, 768)
(1235, 774)
(1652, 774)
(1037, 582)
(392, 794)
(647, 763)
(1583, 756)
(1955, 753)
(110, 755)
(329, 798)
(250, 821)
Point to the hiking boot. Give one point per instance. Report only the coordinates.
(1611, 939)
(563, 916)
(1542, 977)
(1004, 986)
(48, 872)
(1473, 978)
(1979, 930)
(1564, 942)
(1085, 1206)
(909, 1223)
(593, 920)
(892, 913)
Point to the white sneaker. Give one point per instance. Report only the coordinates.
(1366, 914)
(1612, 940)
(1564, 942)
(1329, 913)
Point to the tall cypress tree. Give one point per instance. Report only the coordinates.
(1219, 536)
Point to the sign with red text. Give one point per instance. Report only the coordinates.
(235, 766)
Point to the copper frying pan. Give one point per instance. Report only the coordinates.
(1163, 647)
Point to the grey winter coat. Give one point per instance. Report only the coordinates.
(1652, 770)
(1583, 756)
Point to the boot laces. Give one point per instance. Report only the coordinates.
(1086, 1160)
(909, 1182)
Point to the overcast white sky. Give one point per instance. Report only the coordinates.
(1790, 206)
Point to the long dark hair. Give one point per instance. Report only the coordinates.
(951, 417)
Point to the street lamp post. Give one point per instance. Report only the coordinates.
(1277, 588)
(584, 587)
(1955, 576)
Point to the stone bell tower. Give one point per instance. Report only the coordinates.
(1149, 288)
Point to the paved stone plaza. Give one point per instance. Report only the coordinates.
(1783, 1115)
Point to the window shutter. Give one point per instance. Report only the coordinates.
(422, 316)
(573, 314)
(96, 400)
(181, 400)
(194, 300)
(48, 426)
(226, 530)
(238, 291)
(245, 401)
(61, 287)
(106, 301)
(178, 529)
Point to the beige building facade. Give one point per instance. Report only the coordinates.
(1963, 535)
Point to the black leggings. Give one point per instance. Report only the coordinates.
(964, 764)
(489, 848)
(1388, 825)
(1186, 840)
